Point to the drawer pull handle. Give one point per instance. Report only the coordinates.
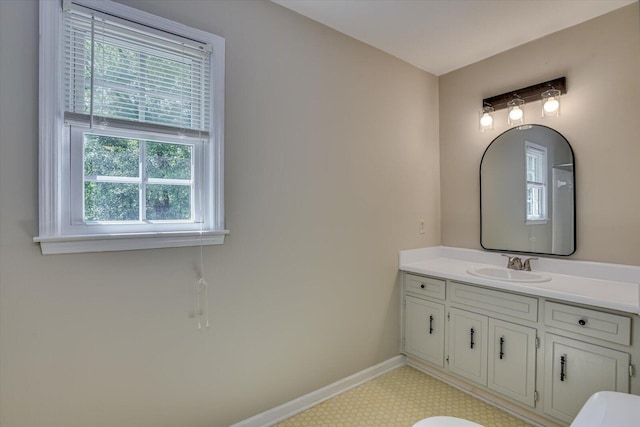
(431, 324)
(421, 285)
(563, 367)
(472, 332)
(582, 322)
(501, 348)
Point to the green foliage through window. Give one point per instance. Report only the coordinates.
(109, 156)
(106, 201)
(136, 180)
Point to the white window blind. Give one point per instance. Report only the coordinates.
(536, 159)
(126, 75)
(536, 177)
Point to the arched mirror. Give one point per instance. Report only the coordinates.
(527, 193)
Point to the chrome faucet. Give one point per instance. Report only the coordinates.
(527, 263)
(515, 263)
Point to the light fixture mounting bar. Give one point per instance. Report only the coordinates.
(528, 94)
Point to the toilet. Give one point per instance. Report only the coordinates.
(609, 408)
(603, 409)
(445, 422)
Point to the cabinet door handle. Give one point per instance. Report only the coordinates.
(501, 348)
(582, 322)
(421, 285)
(431, 324)
(472, 332)
(563, 367)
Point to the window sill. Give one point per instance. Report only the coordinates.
(50, 245)
(536, 221)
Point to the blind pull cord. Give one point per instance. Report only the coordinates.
(202, 286)
(202, 304)
(103, 121)
(93, 60)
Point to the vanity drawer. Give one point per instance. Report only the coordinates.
(426, 286)
(592, 323)
(511, 305)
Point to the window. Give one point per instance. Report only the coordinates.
(131, 137)
(536, 170)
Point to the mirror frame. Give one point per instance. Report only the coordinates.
(575, 224)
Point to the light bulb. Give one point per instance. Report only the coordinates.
(516, 114)
(486, 120)
(551, 105)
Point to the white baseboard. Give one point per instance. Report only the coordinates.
(289, 409)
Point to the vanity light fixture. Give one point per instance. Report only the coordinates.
(486, 118)
(549, 92)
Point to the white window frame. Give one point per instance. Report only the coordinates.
(58, 231)
(542, 151)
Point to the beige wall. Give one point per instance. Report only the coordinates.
(600, 118)
(332, 159)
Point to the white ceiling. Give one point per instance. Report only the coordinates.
(443, 35)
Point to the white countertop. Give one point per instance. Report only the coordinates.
(602, 285)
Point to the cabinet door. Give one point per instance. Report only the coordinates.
(424, 330)
(468, 345)
(512, 360)
(574, 370)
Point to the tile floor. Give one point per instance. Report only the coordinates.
(398, 399)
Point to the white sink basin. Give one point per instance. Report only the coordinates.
(508, 275)
(609, 409)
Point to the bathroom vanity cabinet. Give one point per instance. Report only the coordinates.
(424, 329)
(545, 356)
(424, 318)
(575, 368)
